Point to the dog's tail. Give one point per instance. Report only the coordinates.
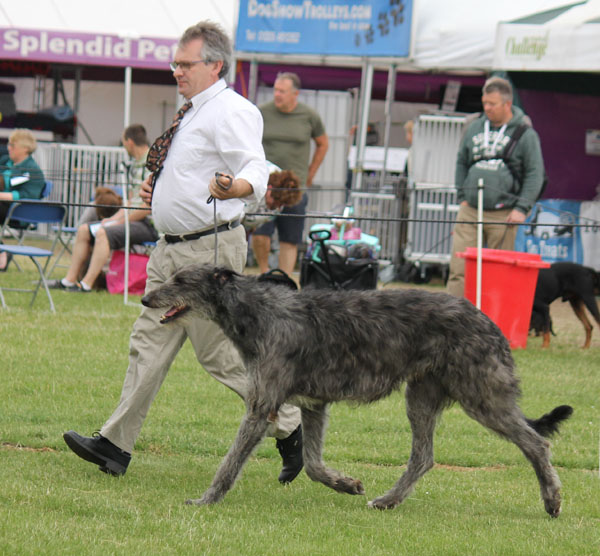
(547, 424)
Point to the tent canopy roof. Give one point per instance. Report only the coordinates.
(563, 39)
(446, 35)
(131, 18)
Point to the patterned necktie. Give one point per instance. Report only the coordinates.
(159, 149)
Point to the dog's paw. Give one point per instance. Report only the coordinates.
(553, 507)
(207, 498)
(349, 486)
(195, 502)
(382, 503)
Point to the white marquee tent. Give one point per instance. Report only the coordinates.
(447, 35)
(563, 39)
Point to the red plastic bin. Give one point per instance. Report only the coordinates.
(508, 280)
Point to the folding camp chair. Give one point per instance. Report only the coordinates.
(33, 213)
(16, 228)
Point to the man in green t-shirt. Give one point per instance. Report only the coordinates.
(289, 128)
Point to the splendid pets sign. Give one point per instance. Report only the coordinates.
(86, 48)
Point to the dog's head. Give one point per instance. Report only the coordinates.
(537, 323)
(196, 288)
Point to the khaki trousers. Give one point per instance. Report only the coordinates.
(153, 346)
(495, 236)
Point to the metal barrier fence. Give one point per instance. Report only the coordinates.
(380, 206)
(432, 195)
(76, 171)
(335, 108)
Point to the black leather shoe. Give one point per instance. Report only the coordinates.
(290, 449)
(99, 450)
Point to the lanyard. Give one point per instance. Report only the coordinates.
(486, 137)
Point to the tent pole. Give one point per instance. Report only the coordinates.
(366, 87)
(253, 81)
(127, 99)
(389, 102)
(76, 100)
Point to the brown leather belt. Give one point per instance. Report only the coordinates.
(197, 235)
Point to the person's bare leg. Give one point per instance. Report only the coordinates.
(261, 246)
(100, 256)
(81, 253)
(288, 254)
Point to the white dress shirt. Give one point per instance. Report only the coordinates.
(222, 132)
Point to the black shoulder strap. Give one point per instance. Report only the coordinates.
(510, 146)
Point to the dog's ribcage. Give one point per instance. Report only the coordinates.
(350, 345)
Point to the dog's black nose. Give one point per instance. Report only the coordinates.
(145, 301)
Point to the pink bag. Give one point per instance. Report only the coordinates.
(115, 277)
(350, 233)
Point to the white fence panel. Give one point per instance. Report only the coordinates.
(335, 109)
(379, 207)
(76, 171)
(432, 195)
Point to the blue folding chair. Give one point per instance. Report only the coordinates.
(16, 228)
(33, 213)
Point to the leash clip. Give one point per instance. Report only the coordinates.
(223, 187)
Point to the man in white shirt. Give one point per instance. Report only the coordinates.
(221, 132)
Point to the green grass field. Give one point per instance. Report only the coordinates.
(65, 371)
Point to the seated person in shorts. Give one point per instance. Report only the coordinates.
(99, 239)
(95, 241)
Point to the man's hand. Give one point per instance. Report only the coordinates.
(146, 190)
(239, 187)
(516, 217)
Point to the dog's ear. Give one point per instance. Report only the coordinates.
(223, 275)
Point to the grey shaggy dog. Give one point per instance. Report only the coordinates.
(315, 347)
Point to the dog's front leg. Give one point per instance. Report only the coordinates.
(314, 423)
(251, 432)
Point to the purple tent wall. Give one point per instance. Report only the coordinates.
(561, 120)
(410, 87)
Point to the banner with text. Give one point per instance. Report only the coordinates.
(551, 232)
(375, 28)
(86, 48)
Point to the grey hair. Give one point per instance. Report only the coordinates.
(293, 77)
(499, 85)
(216, 46)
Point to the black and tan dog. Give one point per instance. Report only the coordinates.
(572, 282)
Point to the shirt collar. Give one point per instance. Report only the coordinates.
(207, 94)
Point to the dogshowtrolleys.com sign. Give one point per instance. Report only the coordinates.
(86, 48)
(374, 28)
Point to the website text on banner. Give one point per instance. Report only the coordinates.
(378, 28)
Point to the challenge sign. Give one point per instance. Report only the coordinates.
(84, 48)
(376, 28)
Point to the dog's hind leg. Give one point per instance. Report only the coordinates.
(314, 423)
(510, 423)
(578, 308)
(424, 402)
(251, 432)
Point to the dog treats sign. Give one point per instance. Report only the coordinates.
(551, 231)
(376, 28)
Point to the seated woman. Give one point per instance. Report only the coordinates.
(20, 177)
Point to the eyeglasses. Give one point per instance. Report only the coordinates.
(185, 66)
